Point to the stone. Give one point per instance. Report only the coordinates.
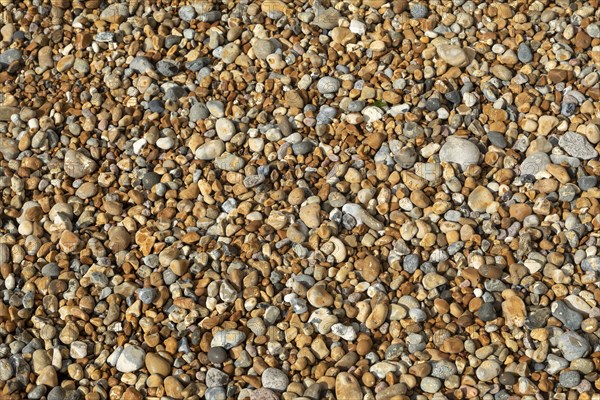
(546, 123)
(155, 364)
(480, 199)
(274, 379)
(217, 355)
(570, 318)
(347, 387)
(115, 13)
(78, 165)
(534, 165)
(573, 346)
(131, 359)
(228, 338)
(318, 296)
(418, 10)
(7, 57)
(454, 55)
(210, 150)
(514, 311)
(216, 378)
(225, 129)
(310, 214)
(328, 85)
(459, 151)
(576, 145)
(488, 370)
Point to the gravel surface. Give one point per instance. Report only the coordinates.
(353, 200)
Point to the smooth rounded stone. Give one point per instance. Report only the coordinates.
(215, 393)
(303, 148)
(344, 331)
(576, 145)
(524, 53)
(418, 10)
(227, 338)
(546, 123)
(534, 165)
(150, 179)
(225, 129)
(168, 68)
(141, 65)
(217, 355)
(156, 106)
(555, 364)
(9, 56)
(6, 370)
(264, 394)
(443, 369)
(57, 393)
(393, 392)
(328, 85)
(216, 378)
(326, 18)
(229, 162)
(573, 345)
(131, 359)
(587, 182)
(318, 296)
(417, 315)
(210, 150)
(347, 387)
(78, 165)
(430, 385)
(497, 139)
(488, 370)
(591, 264)
(155, 364)
(487, 312)
(480, 199)
(310, 214)
(230, 52)
(263, 48)
(118, 238)
(115, 13)
(454, 55)
(198, 112)
(274, 379)
(433, 280)
(569, 379)
(187, 13)
(460, 151)
(570, 318)
(51, 270)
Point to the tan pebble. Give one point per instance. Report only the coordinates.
(156, 364)
(480, 199)
(318, 296)
(310, 214)
(347, 387)
(514, 311)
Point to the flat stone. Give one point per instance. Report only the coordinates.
(576, 145)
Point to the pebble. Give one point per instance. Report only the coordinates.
(459, 151)
(576, 145)
(131, 359)
(274, 379)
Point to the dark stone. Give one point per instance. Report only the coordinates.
(156, 106)
(217, 355)
(150, 179)
(487, 312)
